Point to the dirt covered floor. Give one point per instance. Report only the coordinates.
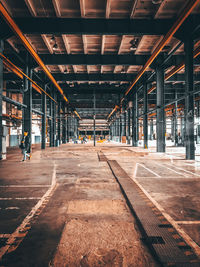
(65, 208)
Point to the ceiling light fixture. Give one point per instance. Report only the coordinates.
(156, 2)
(52, 40)
(123, 70)
(134, 44)
(55, 47)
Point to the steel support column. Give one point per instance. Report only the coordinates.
(125, 117)
(67, 125)
(116, 130)
(135, 121)
(27, 100)
(1, 103)
(151, 129)
(94, 119)
(183, 129)
(189, 100)
(160, 123)
(59, 123)
(145, 116)
(51, 124)
(175, 122)
(172, 126)
(54, 122)
(120, 128)
(129, 125)
(44, 116)
(64, 131)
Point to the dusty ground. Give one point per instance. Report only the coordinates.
(83, 220)
(171, 182)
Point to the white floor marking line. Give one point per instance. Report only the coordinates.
(18, 235)
(19, 198)
(185, 170)
(162, 165)
(8, 186)
(135, 171)
(188, 222)
(5, 235)
(12, 208)
(185, 236)
(149, 170)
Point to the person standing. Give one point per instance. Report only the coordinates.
(25, 146)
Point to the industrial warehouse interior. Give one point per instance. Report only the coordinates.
(99, 133)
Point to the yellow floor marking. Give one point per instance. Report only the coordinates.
(14, 240)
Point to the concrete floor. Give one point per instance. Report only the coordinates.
(65, 208)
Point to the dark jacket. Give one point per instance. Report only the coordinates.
(25, 143)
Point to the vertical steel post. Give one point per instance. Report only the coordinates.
(120, 128)
(175, 122)
(172, 126)
(44, 117)
(67, 126)
(160, 123)
(189, 100)
(145, 116)
(135, 121)
(125, 121)
(59, 123)
(151, 129)
(1, 103)
(94, 118)
(54, 122)
(64, 130)
(129, 125)
(27, 100)
(51, 123)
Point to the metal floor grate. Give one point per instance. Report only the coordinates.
(157, 232)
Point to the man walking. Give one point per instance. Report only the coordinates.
(25, 146)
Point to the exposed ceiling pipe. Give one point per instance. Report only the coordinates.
(4, 13)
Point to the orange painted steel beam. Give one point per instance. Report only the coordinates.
(21, 74)
(77, 114)
(11, 116)
(115, 109)
(176, 69)
(28, 46)
(4, 13)
(186, 12)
